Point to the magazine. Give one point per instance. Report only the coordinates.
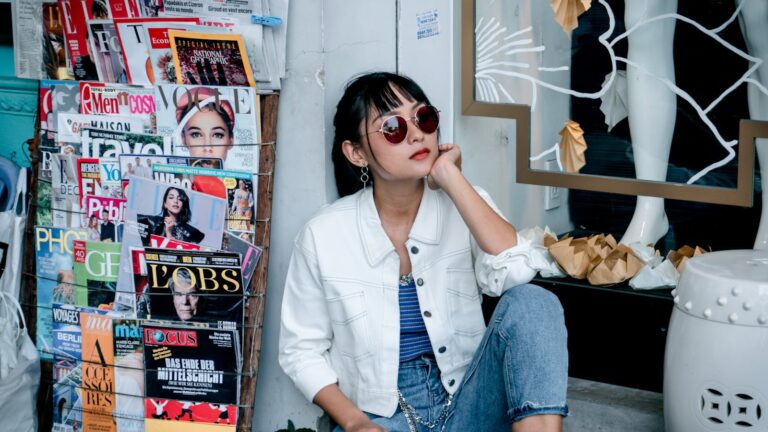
(98, 177)
(255, 36)
(70, 125)
(104, 218)
(98, 372)
(249, 256)
(26, 17)
(105, 47)
(194, 364)
(54, 249)
(96, 267)
(66, 192)
(55, 97)
(150, 8)
(76, 35)
(221, 122)
(123, 9)
(67, 367)
(88, 179)
(98, 143)
(132, 37)
(67, 371)
(67, 401)
(152, 208)
(141, 165)
(45, 151)
(210, 59)
(119, 99)
(193, 286)
(159, 49)
(234, 186)
(129, 375)
(54, 48)
(191, 416)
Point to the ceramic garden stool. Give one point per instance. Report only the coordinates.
(716, 359)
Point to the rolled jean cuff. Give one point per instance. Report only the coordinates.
(530, 409)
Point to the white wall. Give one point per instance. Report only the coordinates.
(329, 42)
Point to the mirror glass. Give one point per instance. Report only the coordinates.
(643, 98)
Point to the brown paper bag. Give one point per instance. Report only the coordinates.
(572, 256)
(679, 257)
(619, 265)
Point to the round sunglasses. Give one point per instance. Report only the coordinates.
(395, 128)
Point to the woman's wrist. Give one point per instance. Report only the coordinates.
(356, 419)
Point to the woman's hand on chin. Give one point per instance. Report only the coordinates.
(447, 165)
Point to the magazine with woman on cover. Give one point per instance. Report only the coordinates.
(167, 211)
(210, 121)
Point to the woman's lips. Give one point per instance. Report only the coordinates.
(421, 154)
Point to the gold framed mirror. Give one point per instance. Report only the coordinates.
(521, 57)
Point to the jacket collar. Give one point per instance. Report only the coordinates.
(426, 227)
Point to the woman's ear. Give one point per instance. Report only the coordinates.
(354, 153)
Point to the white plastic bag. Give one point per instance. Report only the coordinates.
(12, 223)
(19, 369)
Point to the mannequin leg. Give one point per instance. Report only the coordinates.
(652, 110)
(754, 26)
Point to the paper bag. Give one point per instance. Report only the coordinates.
(619, 265)
(681, 256)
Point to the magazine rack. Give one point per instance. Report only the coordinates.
(254, 311)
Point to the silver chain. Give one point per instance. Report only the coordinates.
(412, 417)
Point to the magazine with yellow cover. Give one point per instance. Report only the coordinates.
(210, 59)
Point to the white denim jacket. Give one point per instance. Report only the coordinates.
(340, 312)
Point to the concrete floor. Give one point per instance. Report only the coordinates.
(598, 407)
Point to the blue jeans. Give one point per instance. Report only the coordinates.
(520, 369)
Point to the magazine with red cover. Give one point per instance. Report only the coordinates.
(188, 416)
(123, 9)
(133, 45)
(76, 35)
(210, 59)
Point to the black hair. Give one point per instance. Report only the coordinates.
(185, 214)
(372, 91)
(99, 9)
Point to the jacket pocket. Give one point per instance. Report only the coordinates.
(349, 319)
(464, 302)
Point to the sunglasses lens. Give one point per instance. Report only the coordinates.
(394, 129)
(427, 118)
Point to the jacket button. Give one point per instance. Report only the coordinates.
(419, 281)
(414, 250)
(427, 314)
(451, 382)
(441, 349)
